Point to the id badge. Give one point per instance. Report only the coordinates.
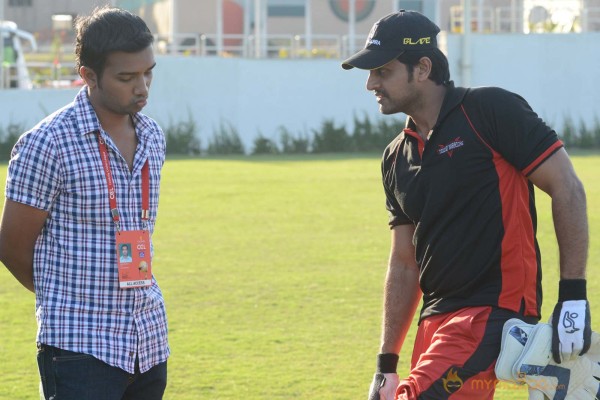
(134, 259)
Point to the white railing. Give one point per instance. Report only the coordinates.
(590, 19)
(484, 20)
(518, 20)
(40, 74)
(487, 19)
(288, 46)
(273, 46)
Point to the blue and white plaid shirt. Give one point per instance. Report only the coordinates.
(56, 167)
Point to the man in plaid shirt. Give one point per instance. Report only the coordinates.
(78, 182)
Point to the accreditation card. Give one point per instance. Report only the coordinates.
(134, 259)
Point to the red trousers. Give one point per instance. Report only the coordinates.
(454, 355)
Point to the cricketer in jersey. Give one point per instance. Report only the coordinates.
(459, 183)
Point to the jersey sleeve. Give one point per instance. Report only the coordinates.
(395, 214)
(32, 177)
(513, 129)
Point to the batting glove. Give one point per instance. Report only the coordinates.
(386, 364)
(526, 358)
(571, 321)
(378, 382)
(570, 380)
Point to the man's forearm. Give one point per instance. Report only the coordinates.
(19, 229)
(571, 226)
(17, 257)
(24, 275)
(401, 298)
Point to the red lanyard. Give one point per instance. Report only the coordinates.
(112, 195)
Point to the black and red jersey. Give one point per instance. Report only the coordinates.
(466, 191)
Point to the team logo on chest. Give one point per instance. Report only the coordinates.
(450, 147)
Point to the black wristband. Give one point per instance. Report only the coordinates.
(572, 289)
(387, 363)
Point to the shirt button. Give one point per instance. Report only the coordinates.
(131, 354)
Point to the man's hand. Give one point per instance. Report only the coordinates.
(385, 381)
(383, 386)
(571, 330)
(571, 322)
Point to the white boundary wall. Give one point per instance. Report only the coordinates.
(558, 74)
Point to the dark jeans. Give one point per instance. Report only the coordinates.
(66, 375)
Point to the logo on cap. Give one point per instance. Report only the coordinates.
(372, 33)
(423, 40)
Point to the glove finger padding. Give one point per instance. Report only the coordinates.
(526, 357)
(515, 334)
(376, 384)
(572, 380)
(535, 394)
(536, 354)
(593, 390)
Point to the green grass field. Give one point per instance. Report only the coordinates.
(272, 270)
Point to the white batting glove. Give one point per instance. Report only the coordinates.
(571, 321)
(526, 358)
(569, 380)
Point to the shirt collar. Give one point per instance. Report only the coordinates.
(87, 120)
(453, 98)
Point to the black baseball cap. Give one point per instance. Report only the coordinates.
(393, 35)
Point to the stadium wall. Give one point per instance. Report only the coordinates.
(558, 74)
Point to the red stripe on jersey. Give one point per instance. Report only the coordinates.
(518, 262)
(542, 157)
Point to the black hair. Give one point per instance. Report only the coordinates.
(107, 30)
(440, 71)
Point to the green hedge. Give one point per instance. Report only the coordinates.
(365, 136)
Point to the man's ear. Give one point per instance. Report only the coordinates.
(424, 68)
(89, 77)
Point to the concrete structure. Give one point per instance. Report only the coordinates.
(36, 15)
(260, 96)
(234, 25)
